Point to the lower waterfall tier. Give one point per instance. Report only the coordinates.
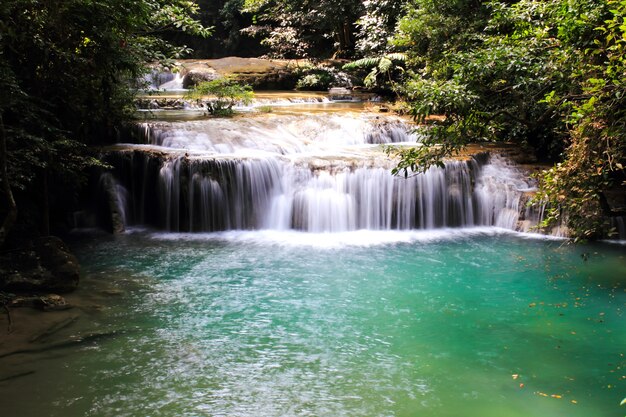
(182, 194)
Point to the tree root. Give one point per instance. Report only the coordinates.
(10, 325)
(15, 376)
(53, 329)
(61, 345)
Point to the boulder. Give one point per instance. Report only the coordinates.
(115, 196)
(192, 78)
(47, 302)
(261, 74)
(44, 265)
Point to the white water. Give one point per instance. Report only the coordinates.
(280, 134)
(356, 238)
(317, 173)
(164, 81)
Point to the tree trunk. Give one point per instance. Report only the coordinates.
(45, 204)
(5, 188)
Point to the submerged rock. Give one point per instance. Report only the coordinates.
(51, 302)
(45, 264)
(48, 302)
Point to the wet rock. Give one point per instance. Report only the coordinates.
(261, 74)
(51, 302)
(340, 94)
(192, 78)
(279, 80)
(112, 292)
(616, 200)
(48, 302)
(114, 200)
(45, 264)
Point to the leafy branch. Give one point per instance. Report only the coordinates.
(380, 66)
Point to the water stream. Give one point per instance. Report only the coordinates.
(473, 322)
(271, 266)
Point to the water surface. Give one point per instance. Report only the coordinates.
(439, 324)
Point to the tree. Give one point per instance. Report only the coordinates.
(547, 74)
(224, 93)
(596, 156)
(66, 71)
(376, 25)
(309, 28)
(227, 19)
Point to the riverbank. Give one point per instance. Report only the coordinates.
(34, 327)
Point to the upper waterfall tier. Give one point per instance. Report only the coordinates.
(278, 134)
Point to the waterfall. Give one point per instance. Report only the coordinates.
(500, 189)
(116, 201)
(319, 173)
(169, 192)
(618, 224)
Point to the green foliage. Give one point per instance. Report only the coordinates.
(501, 65)
(419, 159)
(376, 25)
(545, 74)
(595, 159)
(225, 94)
(316, 82)
(66, 69)
(381, 69)
(300, 29)
(264, 109)
(319, 78)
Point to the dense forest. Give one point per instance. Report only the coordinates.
(547, 75)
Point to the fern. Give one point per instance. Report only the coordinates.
(396, 56)
(362, 63)
(384, 65)
(379, 65)
(370, 79)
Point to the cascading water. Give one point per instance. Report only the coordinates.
(164, 81)
(313, 172)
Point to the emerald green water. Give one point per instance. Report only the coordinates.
(361, 324)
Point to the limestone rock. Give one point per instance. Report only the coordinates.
(115, 196)
(51, 302)
(194, 77)
(262, 74)
(48, 302)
